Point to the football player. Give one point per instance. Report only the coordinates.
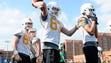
(88, 22)
(52, 28)
(35, 46)
(21, 43)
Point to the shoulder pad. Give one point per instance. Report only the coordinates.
(82, 21)
(18, 33)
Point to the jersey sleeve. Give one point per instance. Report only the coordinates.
(82, 21)
(35, 40)
(18, 34)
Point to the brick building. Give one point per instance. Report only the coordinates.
(105, 41)
(74, 47)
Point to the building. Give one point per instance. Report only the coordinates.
(105, 58)
(105, 41)
(5, 55)
(74, 47)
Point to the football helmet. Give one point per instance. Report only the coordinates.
(99, 48)
(53, 8)
(27, 23)
(32, 32)
(88, 9)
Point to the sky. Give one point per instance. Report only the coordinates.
(12, 13)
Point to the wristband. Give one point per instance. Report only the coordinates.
(35, 55)
(15, 52)
(97, 43)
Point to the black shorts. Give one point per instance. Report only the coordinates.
(91, 54)
(33, 60)
(51, 56)
(25, 59)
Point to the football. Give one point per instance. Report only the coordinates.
(37, 0)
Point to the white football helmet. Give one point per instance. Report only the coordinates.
(99, 48)
(27, 23)
(32, 32)
(88, 9)
(53, 7)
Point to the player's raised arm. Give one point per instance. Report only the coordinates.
(41, 5)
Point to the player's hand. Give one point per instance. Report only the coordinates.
(38, 4)
(39, 57)
(94, 18)
(19, 58)
(76, 27)
(16, 57)
(40, 54)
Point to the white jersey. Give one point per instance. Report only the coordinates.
(34, 41)
(23, 45)
(86, 36)
(52, 29)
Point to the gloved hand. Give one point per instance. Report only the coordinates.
(94, 18)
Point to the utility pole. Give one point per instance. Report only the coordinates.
(7, 42)
(73, 53)
(110, 27)
(7, 51)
